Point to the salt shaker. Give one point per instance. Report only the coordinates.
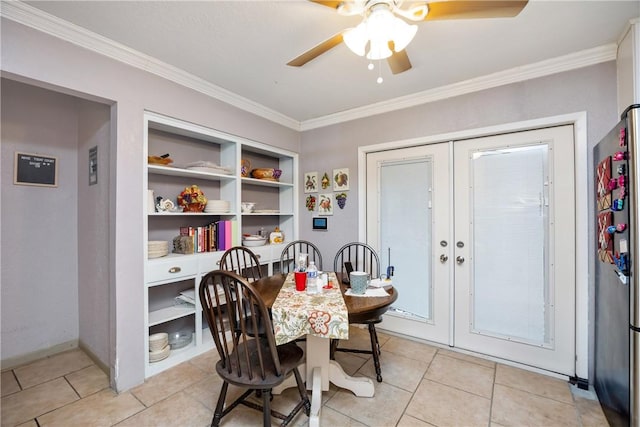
(324, 279)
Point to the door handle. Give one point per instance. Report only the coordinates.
(459, 259)
(443, 258)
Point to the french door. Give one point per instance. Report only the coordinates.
(409, 223)
(481, 236)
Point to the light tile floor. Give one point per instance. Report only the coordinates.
(422, 386)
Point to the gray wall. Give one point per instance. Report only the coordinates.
(55, 281)
(39, 232)
(93, 230)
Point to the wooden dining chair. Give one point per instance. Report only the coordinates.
(290, 253)
(253, 363)
(362, 258)
(242, 261)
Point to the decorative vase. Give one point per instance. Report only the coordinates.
(245, 168)
(193, 207)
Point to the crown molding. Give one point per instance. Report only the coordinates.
(35, 18)
(518, 74)
(30, 16)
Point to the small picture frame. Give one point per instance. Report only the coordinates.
(325, 204)
(340, 179)
(311, 182)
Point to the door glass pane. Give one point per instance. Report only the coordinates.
(405, 232)
(509, 202)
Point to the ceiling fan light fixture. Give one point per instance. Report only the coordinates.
(356, 39)
(378, 28)
(378, 49)
(403, 33)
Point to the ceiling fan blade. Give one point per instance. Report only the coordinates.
(398, 61)
(473, 9)
(316, 51)
(331, 4)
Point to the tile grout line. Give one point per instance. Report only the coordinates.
(413, 394)
(461, 389)
(13, 372)
(540, 396)
(493, 391)
(60, 407)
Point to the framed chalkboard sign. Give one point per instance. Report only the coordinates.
(35, 169)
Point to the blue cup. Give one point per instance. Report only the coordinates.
(359, 282)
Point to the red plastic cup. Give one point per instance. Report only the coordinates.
(301, 280)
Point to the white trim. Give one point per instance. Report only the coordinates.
(35, 18)
(579, 122)
(514, 75)
(581, 156)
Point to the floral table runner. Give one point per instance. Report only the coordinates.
(295, 313)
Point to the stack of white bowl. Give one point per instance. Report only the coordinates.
(217, 206)
(157, 248)
(159, 346)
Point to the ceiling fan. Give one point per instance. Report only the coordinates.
(384, 35)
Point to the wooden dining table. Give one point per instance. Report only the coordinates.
(319, 370)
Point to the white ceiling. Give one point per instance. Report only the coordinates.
(243, 46)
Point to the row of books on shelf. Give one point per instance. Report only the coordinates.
(217, 236)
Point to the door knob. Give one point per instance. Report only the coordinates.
(443, 258)
(459, 259)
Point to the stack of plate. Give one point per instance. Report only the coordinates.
(159, 348)
(217, 206)
(157, 248)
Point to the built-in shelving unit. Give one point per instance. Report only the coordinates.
(169, 276)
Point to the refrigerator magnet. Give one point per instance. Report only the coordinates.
(603, 177)
(624, 246)
(623, 137)
(622, 262)
(623, 193)
(605, 240)
(619, 156)
(617, 205)
(619, 228)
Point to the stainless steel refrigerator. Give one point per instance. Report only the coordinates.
(617, 298)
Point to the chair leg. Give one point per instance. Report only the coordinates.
(266, 407)
(375, 333)
(217, 415)
(375, 350)
(303, 392)
(332, 348)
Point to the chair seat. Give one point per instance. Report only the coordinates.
(289, 354)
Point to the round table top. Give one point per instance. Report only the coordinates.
(359, 308)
